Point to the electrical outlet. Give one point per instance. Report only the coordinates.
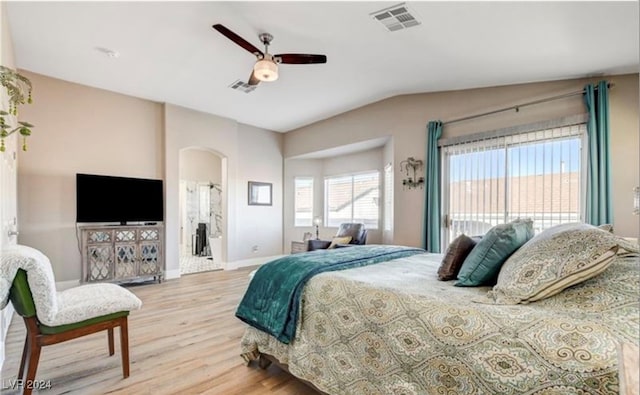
(254, 249)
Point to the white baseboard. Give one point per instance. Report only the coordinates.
(62, 285)
(171, 274)
(251, 262)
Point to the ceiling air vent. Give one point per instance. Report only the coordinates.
(396, 18)
(242, 86)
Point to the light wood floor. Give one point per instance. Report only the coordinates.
(184, 340)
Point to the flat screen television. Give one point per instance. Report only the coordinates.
(118, 199)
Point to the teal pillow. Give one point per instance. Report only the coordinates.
(482, 265)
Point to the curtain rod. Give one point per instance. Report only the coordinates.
(518, 106)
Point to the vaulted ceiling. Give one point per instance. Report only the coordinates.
(170, 53)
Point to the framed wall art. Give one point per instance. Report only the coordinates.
(260, 193)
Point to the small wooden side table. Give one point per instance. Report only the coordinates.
(298, 247)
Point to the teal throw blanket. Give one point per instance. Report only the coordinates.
(272, 300)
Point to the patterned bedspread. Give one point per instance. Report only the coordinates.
(393, 328)
(272, 301)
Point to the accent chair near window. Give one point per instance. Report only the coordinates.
(356, 232)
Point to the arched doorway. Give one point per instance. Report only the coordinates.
(201, 208)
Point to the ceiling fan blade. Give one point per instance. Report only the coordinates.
(237, 39)
(301, 58)
(252, 79)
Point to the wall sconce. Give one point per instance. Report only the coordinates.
(317, 221)
(410, 166)
(636, 200)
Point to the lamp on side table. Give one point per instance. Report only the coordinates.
(317, 221)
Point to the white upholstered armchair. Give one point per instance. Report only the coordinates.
(51, 317)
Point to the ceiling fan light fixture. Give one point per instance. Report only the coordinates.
(266, 70)
(266, 67)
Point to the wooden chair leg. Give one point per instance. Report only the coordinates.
(34, 357)
(110, 336)
(25, 353)
(124, 343)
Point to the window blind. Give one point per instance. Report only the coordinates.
(352, 198)
(303, 201)
(388, 197)
(533, 175)
(366, 192)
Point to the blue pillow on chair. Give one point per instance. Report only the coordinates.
(482, 265)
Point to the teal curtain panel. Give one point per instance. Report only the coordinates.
(432, 196)
(598, 208)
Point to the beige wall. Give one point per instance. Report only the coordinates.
(259, 227)
(200, 165)
(405, 118)
(80, 129)
(246, 152)
(185, 129)
(625, 153)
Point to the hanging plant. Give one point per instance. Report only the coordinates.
(18, 89)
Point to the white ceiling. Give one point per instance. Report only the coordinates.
(170, 53)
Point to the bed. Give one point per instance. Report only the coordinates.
(393, 328)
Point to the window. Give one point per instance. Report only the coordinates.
(533, 175)
(303, 201)
(388, 197)
(352, 198)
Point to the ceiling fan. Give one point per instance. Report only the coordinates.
(266, 67)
